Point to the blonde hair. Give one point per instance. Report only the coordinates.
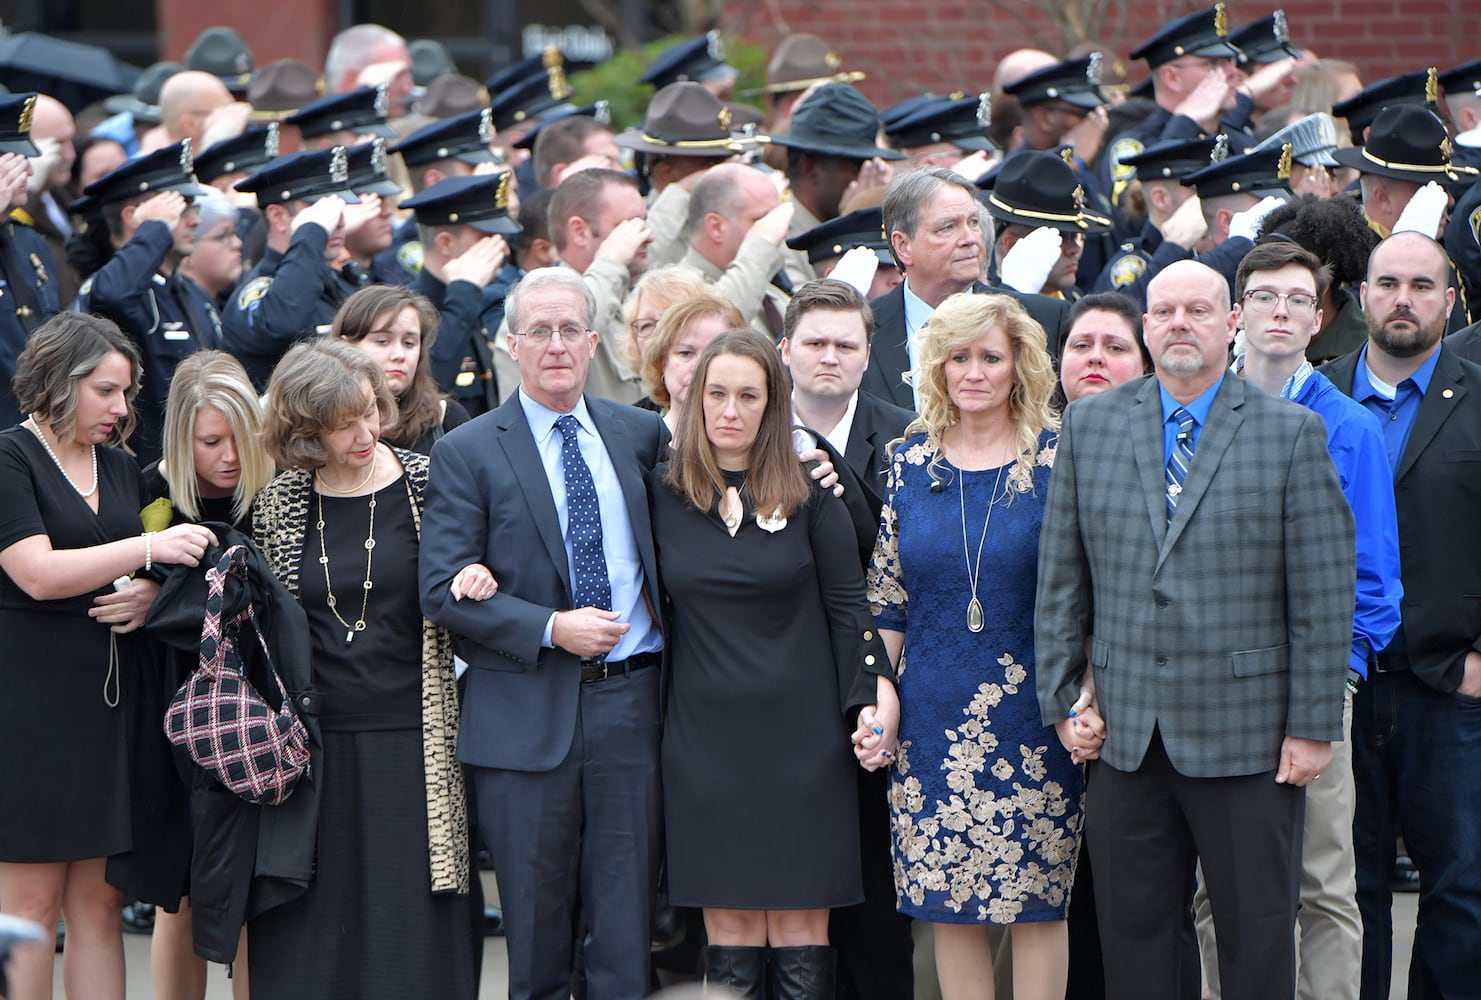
(676, 318)
(318, 385)
(216, 379)
(959, 321)
(665, 285)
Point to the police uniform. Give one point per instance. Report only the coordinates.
(1420, 87)
(361, 111)
(1037, 189)
(28, 295)
(368, 175)
(165, 313)
(697, 60)
(461, 356)
(290, 294)
(467, 139)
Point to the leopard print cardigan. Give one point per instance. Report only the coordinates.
(280, 524)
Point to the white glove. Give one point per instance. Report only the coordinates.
(41, 166)
(856, 269)
(1247, 223)
(1026, 267)
(1424, 212)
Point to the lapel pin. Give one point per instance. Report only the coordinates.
(1448, 393)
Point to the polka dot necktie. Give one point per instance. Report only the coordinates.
(591, 588)
(1181, 458)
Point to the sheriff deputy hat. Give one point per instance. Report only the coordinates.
(836, 120)
(684, 119)
(801, 60)
(221, 52)
(1407, 143)
(279, 89)
(1038, 188)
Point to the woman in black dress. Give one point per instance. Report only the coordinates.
(769, 660)
(215, 463)
(70, 537)
(387, 914)
(397, 327)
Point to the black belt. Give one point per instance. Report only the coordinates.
(1392, 663)
(594, 672)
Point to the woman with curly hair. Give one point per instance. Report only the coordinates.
(985, 801)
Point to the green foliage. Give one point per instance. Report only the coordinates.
(616, 80)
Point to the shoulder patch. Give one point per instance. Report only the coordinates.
(251, 292)
(1125, 270)
(410, 256)
(1475, 221)
(1120, 150)
(86, 287)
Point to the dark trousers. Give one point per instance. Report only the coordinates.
(876, 953)
(589, 831)
(1150, 828)
(1416, 760)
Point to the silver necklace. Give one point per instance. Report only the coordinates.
(975, 619)
(94, 449)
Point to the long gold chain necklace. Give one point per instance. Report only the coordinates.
(359, 625)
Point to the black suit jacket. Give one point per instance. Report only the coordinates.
(1436, 491)
(489, 501)
(888, 358)
(876, 424)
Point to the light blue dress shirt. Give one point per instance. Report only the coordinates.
(917, 315)
(619, 546)
(1198, 408)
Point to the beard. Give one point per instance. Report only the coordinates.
(1181, 362)
(1404, 343)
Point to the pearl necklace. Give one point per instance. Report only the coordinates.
(45, 444)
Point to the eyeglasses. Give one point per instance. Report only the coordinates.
(568, 334)
(643, 327)
(1263, 301)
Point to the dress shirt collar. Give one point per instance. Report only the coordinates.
(1365, 383)
(917, 312)
(542, 418)
(1198, 408)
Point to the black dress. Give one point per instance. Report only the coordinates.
(368, 926)
(765, 668)
(64, 775)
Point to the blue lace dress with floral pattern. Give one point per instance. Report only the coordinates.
(984, 802)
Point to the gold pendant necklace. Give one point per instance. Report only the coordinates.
(976, 621)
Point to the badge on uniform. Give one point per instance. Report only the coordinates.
(1125, 270)
(1475, 221)
(252, 292)
(410, 256)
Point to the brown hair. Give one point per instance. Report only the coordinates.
(1276, 254)
(61, 353)
(961, 320)
(774, 477)
(318, 385)
(831, 295)
(419, 406)
(675, 319)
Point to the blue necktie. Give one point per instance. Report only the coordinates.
(592, 587)
(1181, 458)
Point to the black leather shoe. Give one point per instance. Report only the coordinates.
(742, 969)
(1406, 876)
(493, 922)
(138, 918)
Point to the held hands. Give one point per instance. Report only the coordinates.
(587, 632)
(1026, 267)
(474, 582)
(1084, 732)
(877, 738)
(479, 263)
(1302, 761)
(126, 609)
(625, 240)
(183, 545)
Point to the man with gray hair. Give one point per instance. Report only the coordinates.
(560, 720)
(936, 233)
(378, 50)
(735, 227)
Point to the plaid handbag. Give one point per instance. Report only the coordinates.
(220, 720)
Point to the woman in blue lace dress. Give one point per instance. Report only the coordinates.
(985, 802)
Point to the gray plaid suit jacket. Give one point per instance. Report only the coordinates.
(1228, 629)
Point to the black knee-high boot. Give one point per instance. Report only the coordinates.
(742, 969)
(804, 973)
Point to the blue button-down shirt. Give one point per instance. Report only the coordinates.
(1397, 414)
(1198, 408)
(917, 315)
(619, 546)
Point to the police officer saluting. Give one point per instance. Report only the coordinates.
(28, 296)
(151, 224)
(463, 222)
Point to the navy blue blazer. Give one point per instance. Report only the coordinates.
(489, 501)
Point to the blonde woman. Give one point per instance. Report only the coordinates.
(670, 358)
(984, 800)
(650, 298)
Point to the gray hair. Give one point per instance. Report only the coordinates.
(547, 277)
(909, 191)
(213, 207)
(717, 191)
(351, 49)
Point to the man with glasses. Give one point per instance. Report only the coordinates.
(560, 719)
(1280, 286)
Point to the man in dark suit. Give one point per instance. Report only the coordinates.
(1415, 721)
(826, 348)
(936, 231)
(1217, 614)
(560, 720)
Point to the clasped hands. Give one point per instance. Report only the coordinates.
(1083, 733)
(877, 738)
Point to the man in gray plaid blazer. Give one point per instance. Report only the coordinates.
(1197, 552)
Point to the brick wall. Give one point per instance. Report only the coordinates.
(272, 29)
(945, 45)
